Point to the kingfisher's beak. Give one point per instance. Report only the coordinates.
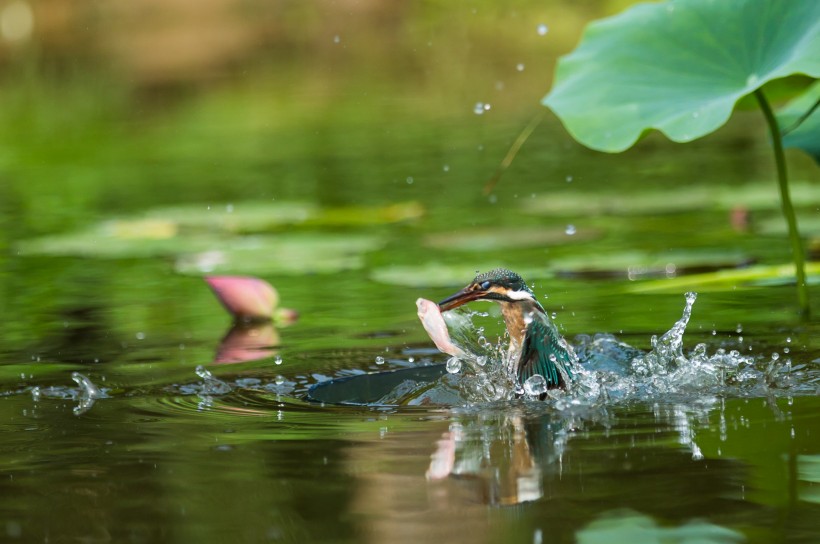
(468, 294)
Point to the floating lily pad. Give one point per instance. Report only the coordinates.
(258, 217)
(766, 196)
(284, 254)
(368, 215)
(645, 202)
(115, 240)
(251, 216)
(442, 275)
(730, 280)
(757, 196)
(809, 225)
(507, 238)
(636, 264)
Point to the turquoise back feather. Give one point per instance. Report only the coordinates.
(544, 352)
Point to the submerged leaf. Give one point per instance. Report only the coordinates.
(679, 67)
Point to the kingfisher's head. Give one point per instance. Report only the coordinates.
(500, 285)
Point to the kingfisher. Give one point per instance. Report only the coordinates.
(536, 346)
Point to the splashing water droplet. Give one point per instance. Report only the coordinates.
(542, 29)
(570, 230)
(279, 380)
(379, 360)
(35, 393)
(569, 179)
(535, 385)
(409, 180)
(520, 66)
(203, 372)
(453, 365)
(277, 360)
(88, 388)
(478, 109)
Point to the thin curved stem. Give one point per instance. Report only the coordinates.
(513, 151)
(786, 204)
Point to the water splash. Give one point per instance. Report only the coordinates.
(610, 370)
(89, 393)
(211, 385)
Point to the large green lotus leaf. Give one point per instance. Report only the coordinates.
(442, 275)
(282, 254)
(730, 280)
(679, 67)
(508, 238)
(807, 135)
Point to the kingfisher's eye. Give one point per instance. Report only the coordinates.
(485, 285)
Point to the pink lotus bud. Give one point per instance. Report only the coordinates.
(245, 297)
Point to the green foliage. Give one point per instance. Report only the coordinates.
(806, 136)
(679, 67)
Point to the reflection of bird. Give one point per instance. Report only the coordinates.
(536, 346)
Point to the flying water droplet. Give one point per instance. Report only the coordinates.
(277, 360)
(542, 29)
(453, 365)
(520, 66)
(379, 360)
(480, 108)
(535, 385)
(570, 230)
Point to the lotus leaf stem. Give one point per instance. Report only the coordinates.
(786, 204)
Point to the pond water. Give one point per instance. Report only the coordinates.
(132, 410)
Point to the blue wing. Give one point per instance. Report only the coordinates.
(545, 353)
